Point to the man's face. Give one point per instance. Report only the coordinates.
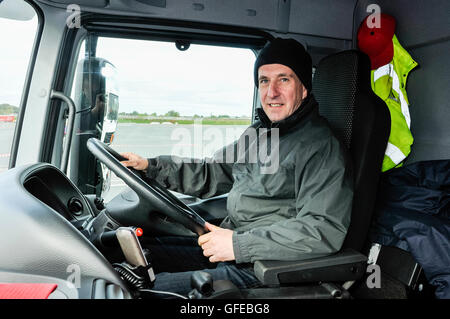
(280, 90)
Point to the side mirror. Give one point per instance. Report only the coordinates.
(97, 99)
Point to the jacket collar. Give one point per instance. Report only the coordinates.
(292, 120)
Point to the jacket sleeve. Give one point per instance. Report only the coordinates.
(324, 194)
(200, 178)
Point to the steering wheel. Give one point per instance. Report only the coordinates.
(150, 191)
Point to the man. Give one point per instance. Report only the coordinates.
(299, 211)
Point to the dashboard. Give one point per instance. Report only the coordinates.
(55, 234)
(42, 215)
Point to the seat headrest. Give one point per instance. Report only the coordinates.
(337, 80)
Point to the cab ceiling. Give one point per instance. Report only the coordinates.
(323, 18)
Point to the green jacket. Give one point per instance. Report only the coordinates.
(298, 211)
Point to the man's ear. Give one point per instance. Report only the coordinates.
(305, 93)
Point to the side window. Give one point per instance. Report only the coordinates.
(188, 102)
(18, 27)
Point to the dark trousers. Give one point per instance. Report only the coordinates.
(175, 259)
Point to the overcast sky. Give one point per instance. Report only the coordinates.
(156, 77)
(16, 43)
(153, 76)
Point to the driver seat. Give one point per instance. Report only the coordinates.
(361, 120)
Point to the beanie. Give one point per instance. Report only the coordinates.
(288, 52)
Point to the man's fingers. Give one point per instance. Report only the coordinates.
(213, 259)
(210, 255)
(207, 245)
(207, 253)
(132, 164)
(126, 154)
(203, 239)
(135, 161)
(211, 227)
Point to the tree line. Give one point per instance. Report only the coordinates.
(172, 113)
(8, 109)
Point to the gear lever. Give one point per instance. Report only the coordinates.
(133, 253)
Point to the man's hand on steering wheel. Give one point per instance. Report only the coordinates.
(134, 161)
(150, 192)
(217, 245)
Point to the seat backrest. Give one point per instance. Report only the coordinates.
(342, 87)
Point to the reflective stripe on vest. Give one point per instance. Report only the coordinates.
(388, 69)
(394, 153)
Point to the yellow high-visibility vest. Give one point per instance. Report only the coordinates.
(389, 83)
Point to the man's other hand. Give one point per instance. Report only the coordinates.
(217, 244)
(135, 161)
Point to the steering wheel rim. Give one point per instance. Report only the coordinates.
(164, 201)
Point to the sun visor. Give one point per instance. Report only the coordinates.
(16, 10)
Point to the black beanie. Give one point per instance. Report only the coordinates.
(288, 52)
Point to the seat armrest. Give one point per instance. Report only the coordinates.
(345, 265)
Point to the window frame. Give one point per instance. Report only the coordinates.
(103, 25)
(27, 83)
(171, 30)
